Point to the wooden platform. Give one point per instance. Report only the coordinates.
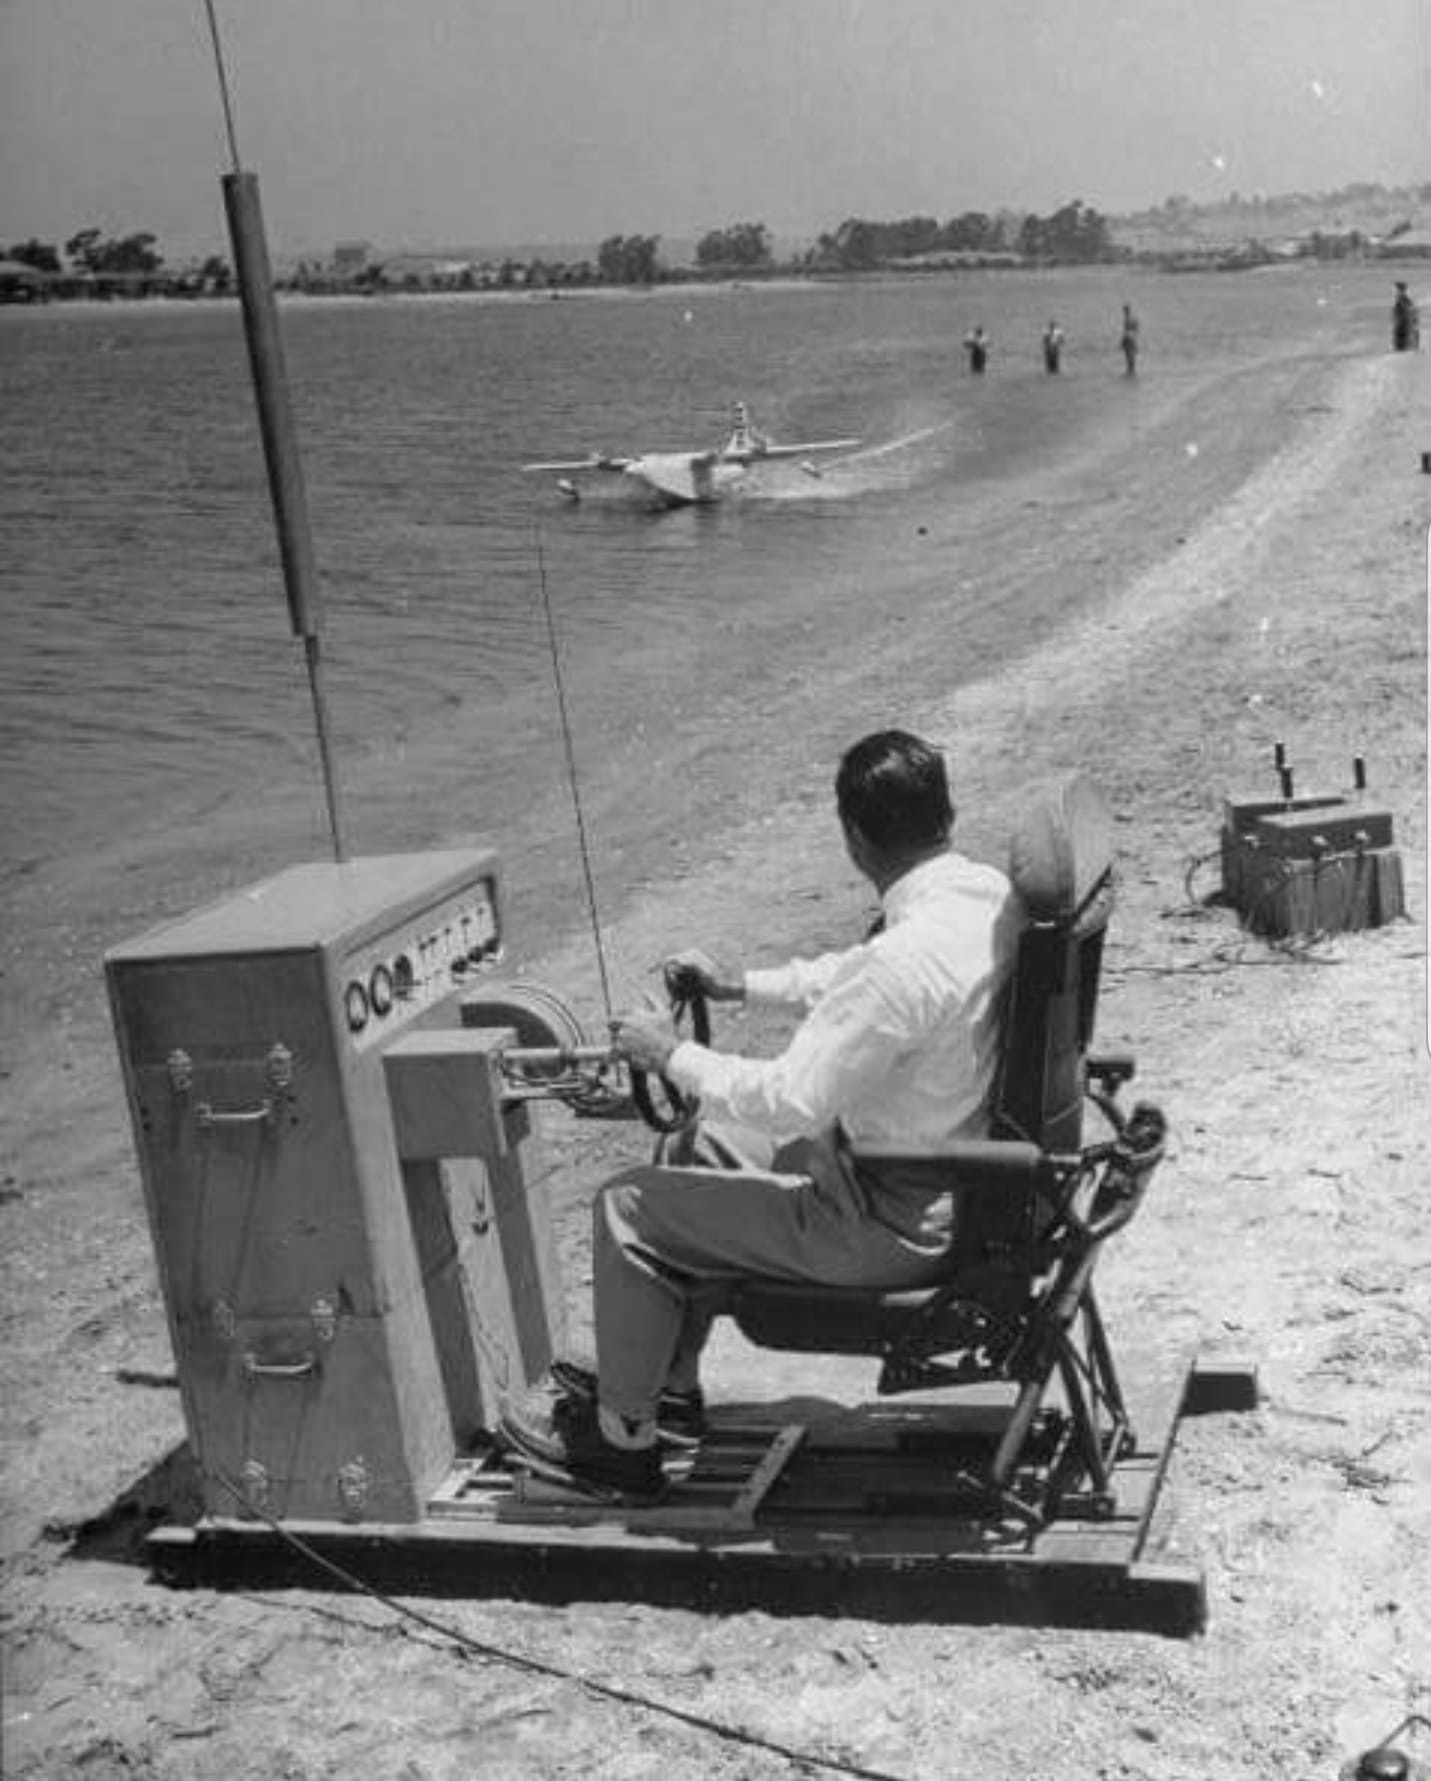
(859, 1512)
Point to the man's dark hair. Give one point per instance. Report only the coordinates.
(893, 789)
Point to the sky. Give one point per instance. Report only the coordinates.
(432, 123)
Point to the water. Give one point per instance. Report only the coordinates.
(148, 677)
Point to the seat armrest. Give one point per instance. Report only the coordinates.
(993, 1162)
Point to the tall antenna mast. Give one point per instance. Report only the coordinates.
(275, 418)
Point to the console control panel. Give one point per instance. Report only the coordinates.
(388, 980)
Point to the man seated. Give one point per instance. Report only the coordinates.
(827, 1147)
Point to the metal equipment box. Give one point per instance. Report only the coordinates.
(1240, 816)
(1312, 867)
(1345, 827)
(327, 1350)
(1330, 893)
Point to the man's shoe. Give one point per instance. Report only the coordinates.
(557, 1436)
(680, 1415)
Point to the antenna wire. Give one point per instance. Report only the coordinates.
(571, 777)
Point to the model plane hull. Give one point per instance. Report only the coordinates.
(683, 479)
(690, 478)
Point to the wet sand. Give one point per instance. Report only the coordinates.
(1268, 586)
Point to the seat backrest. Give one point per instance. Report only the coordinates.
(1061, 866)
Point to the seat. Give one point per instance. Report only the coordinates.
(1035, 1203)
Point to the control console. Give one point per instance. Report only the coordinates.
(319, 1284)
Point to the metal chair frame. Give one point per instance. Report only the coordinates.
(1036, 1205)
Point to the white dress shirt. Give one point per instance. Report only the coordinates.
(900, 1039)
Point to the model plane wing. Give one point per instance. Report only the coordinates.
(596, 460)
(802, 451)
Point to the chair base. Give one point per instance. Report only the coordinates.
(877, 1511)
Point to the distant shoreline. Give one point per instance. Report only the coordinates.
(665, 291)
(171, 306)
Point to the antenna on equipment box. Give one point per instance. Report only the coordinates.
(280, 440)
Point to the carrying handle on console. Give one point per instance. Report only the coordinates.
(206, 1115)
(304, 1368)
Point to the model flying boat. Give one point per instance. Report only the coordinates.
(690, 478)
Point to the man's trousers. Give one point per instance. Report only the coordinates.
(666, 1238)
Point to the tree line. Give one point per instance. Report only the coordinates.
(91, 256)
(1075, 233)
(93, 252)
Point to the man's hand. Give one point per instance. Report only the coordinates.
(719, 982)
(645, 1037)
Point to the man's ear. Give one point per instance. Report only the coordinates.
(856, 846)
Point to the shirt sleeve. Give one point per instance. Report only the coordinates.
(800, 984)
(850, 1041)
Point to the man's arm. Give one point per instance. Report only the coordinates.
(799, 984)
(646, 1037)
(852, 1037)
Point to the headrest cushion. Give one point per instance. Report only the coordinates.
(1061, 849)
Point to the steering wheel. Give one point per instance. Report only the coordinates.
(669, 1110)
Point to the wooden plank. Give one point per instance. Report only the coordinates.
(1221, 1386)
(835, 1522)
(757, 1485)
(709, 1505)
(599, 1563)
(1155, 1407)
(731, 1481)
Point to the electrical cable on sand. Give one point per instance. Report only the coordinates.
(1317, 946)
(467, 1646)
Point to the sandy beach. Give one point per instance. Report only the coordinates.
(1287, 1227)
